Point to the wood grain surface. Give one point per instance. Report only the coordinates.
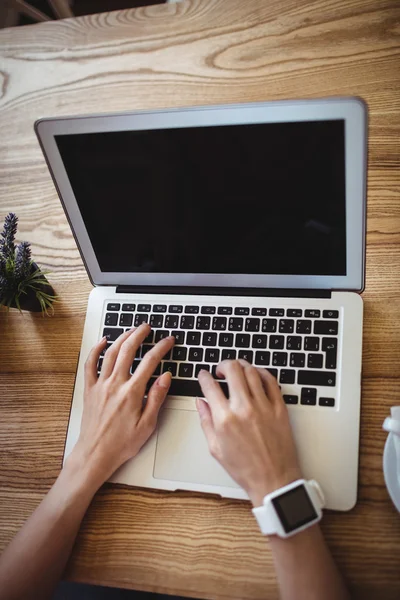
(191, 53)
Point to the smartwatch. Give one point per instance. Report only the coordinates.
(290, 509)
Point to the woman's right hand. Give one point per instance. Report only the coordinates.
(249, 433)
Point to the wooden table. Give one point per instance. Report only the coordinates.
(192, 53)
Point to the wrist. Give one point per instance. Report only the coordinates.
(80, 476)
(263, 487)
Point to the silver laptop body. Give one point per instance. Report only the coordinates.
(241, 230)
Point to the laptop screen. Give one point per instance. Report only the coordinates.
(254, 199)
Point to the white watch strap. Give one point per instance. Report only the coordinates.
(264, 520)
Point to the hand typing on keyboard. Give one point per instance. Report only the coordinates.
(249, 434)
(114, 423)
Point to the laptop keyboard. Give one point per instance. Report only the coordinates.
(298, 346)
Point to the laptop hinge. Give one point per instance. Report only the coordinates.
(223, 291)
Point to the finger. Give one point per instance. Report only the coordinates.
(271, 386)
(155, 398)
(111, 355)
(128, 349)
(239, 392)
(92, 360)
(207, 424)
(255, 383)
(152, 359)
(213, 393)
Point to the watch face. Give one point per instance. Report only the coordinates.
(294, 508)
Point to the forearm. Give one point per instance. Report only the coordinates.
(305, 568)
(35, 559)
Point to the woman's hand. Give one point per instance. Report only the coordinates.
(115, 424)
(249, 434)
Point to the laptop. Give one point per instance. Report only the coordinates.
(240, 230)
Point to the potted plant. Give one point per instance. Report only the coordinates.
(23, 284)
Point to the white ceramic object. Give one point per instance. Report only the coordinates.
(391, 456)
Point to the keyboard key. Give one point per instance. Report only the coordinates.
(193, 338)
(190, 310)
(161, 334)
(185, 370)
(303, 326)
(262, 358)
(276, 342)
(108, 345)
(112, 334)
(100, 364)
(212, 355)
(259, 341)
(326, 402)
(139, 319)
(145, 349)
(199, 368)
(294, 312)
(208, 310)
(286, 326)
(273, 372)
(196, 354)
(324, 378)
(259, 312)
(159, 308)
(129, 307)
(184, 387)
(175, 308)
(144, 307)
(329, 345)
(269, 325)
(111, 319)
(171, 367)
(209, 339)
(312, 314)
(187, 322)
(179, 337)
(276, 312)
(235, 324)
(228, 354)
(179, 353)
(315, 361)
(157, 371)
(135, 365)
(224, 310)
(326, 327)
(290, 399)
(149, 339)
(171, 321)
(157, 321)
(297, 359)
(219, 323)
(279, 359)
(252, 324)
(293, 342)
(242, 310)
(203, 323)
(214, 373)
(311, 344)
(308, 396)
(225, 339)
(242, 340)
(287, 376)
(330, 314)
(246, 355)
(113, 306)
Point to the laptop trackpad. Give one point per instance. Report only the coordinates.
(182, 453)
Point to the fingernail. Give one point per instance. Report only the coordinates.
(165, 380)
(202, 371)
(103, 338)
(170, 337)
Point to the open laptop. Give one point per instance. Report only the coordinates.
(241, 231)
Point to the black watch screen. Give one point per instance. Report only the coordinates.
(294, 508)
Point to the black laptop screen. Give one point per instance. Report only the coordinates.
(251, 199)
